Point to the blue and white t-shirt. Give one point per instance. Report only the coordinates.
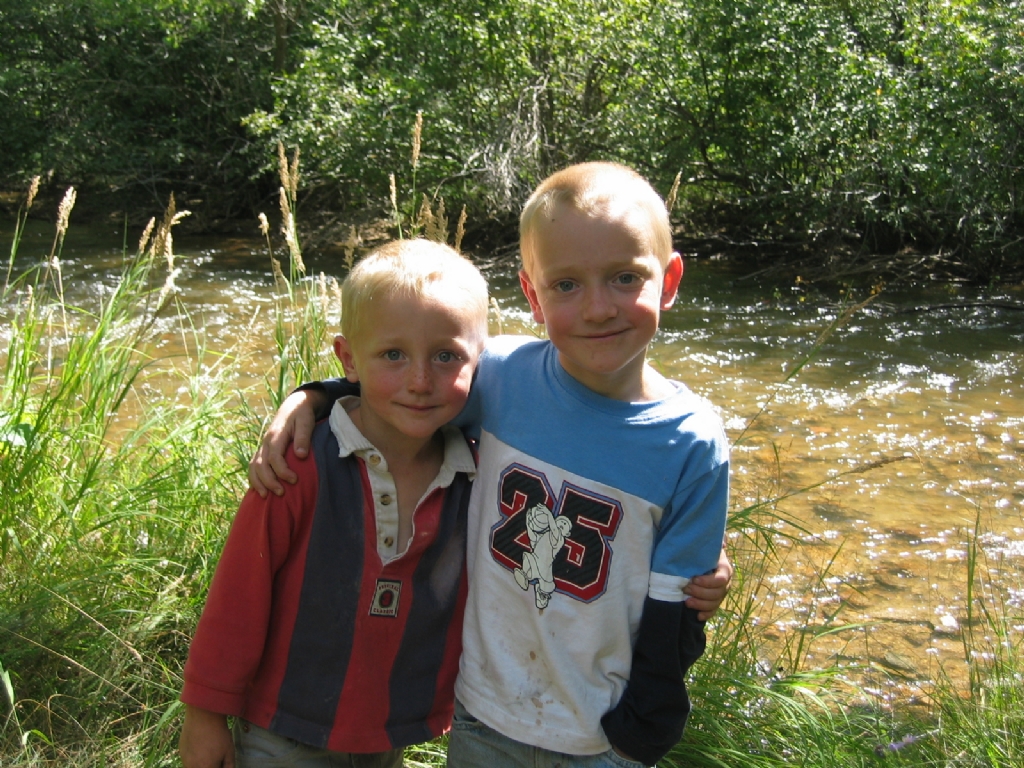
(583, 508)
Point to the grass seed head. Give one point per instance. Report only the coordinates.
(144, 240)
(670, 201)
(417, 134)
(460, 230)
(282, 166)
(33, 190)
(279, 279)
(64, 211)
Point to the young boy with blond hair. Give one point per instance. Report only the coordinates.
(601, 495)
(332, 629)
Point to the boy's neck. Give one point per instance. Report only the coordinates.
(645, 385)
(401, 452)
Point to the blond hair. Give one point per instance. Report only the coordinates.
(408, 269)
(594, 189)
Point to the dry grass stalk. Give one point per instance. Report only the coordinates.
(168, 289)
(670, 201)
(425, 218)
(290, 236)
(144, 240)
(433, 225)
(53, 265)
(289, 173)
(64, 211)
(282, 167)
(284, 205)
(321, 294)
(280, 281)
(33, 190)
(293, 176)
(440, 233)
(394, 196)
(163, 244)
(460, 230)
(499, 321)
(417, 133)
(349, 247)
(336, 294)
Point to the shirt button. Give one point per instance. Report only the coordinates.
(388, 541)
(374, 459)
(385, 499)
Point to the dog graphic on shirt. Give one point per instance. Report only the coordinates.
(547, 537)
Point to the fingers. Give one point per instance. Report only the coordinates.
(303, 424)
(707, 591)
(255, 481)
(294, 421)
(263, 478)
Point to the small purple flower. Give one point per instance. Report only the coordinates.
(896, 746)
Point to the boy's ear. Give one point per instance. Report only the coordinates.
(670, 282)
(531, 296)
(344, 352)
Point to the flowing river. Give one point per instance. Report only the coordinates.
(885, 441)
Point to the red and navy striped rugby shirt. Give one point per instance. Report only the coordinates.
(308, 633)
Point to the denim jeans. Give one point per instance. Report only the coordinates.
(473, 744)
(257, 747)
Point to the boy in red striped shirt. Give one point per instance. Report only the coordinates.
(333, 623)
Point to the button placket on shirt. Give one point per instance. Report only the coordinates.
(382, 486)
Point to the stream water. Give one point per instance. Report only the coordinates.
(897, 448)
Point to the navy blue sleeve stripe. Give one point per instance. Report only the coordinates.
(329, 600)
(650, 718)
(414, 680)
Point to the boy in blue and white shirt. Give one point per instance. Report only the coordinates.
(601, 492)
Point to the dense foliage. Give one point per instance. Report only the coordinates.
(847, 129)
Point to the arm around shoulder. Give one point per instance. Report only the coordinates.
(293, 423)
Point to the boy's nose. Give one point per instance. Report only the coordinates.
(420, 379)
(598, 306)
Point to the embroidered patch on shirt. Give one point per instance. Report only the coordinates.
(385, 598)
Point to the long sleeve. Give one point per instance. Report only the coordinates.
(651, 715)
(229, 640)
(335, 389)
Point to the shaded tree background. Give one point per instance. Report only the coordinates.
(855, 135)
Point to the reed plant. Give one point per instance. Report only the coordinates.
(304, 307)
(114, 498)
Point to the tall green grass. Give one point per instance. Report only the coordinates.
(119, 474)
(120, 471)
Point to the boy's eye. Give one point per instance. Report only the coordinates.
(446, 357)
(393, 355)
(628, 278)
(564, 286)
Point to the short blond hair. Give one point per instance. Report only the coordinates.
(597, 188)
(410, 268)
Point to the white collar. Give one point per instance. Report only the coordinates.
(457, 455)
